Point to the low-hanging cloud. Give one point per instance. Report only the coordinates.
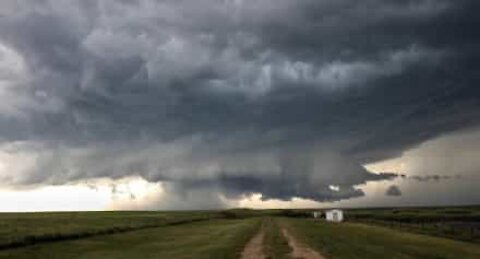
(435, 177)
(236, 97)
(393, 190)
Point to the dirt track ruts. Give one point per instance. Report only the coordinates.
(254, 247)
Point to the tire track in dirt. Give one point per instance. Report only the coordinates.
(300, 250)
(254, 247)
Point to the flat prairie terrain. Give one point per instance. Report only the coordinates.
(205, 239)
(245, 234)
(356, 240)
(461, 223)
(19, 229)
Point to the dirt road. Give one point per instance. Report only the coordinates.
(254, 247)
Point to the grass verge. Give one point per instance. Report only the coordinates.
(352, 240)
(205, 239)
(23, 229)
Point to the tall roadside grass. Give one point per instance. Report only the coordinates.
(355, 240)
(207, 239)
(22, 229)
(461, 223)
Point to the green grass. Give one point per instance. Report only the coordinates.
(218, 238)
(222, 234)
(422, 215)
(461, 223)
(354, 240)
(19, 229)
(276, 246)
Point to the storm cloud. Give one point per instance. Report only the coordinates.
(393, 190)
(283, 98)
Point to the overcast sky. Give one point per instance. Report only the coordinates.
(149, 104)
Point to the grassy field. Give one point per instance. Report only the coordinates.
(18, 229)
(368, 233)
(462, 223)
(355, 240)
(218, 238)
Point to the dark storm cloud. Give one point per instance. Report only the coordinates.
(285, 184)
(434, 177)
(393, 190)
(282, 98)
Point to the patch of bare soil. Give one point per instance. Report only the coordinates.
(300, 250)
(254, 247)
